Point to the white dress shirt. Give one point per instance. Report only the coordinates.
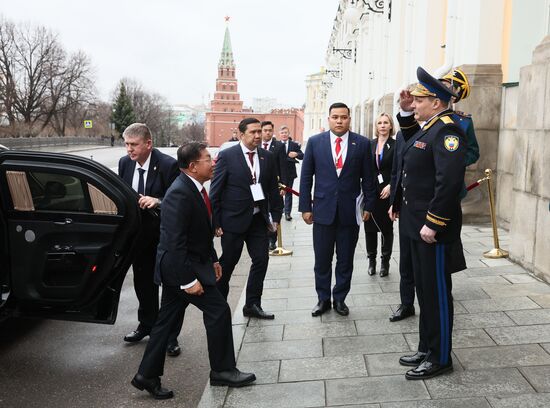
(135, 179)
(256, 168)
(343, 145)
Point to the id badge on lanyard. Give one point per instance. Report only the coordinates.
(255, 187)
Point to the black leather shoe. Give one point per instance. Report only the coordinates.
(152, 386)
(231, 378)
(427, 370)
(341, 308)
(321, 307)
(402, 312)
(372, 267)
(414, 360)
(257, 311)
(272, 246)
(288, 217)
(173, 350)
(137, 335)
(384, 268)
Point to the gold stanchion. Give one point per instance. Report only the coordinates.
(496, 252)
(280, 251)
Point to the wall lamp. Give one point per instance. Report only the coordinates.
(347, 53)
(335, 73)
(354, 14)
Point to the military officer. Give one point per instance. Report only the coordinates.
(428, 200)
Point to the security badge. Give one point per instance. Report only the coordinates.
(451, 143)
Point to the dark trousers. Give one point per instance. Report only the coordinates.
(147, 291)
(371, 239)
(406, 281)
(217, 321)
(288, 198)
(256, 238)
(325, 238)
(432, 275)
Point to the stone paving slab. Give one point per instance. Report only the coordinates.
(384, 326)
(280, 350)
(478, 383)
(374, 389)
(461, 339)
(267, 372)
(302, 394)
(523, 401)
(520, 334)
(495, 305)
(482, 320)
(322, 368)
(538, 377)
(502, 356)
(258, 334)
(341, 346)
(541, 300)
(526, 317)
(446, 403)
(313, 331)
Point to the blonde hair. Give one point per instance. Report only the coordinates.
(392, 130)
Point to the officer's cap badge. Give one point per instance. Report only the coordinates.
(451, 143)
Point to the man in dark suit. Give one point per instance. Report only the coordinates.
(428, 201)
(246, 205)
(150, 173)
(277, 148)
(340, 161)
(406, 276)
(294, 153)
(188, 269)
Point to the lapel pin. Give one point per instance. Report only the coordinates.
(353, 143)
(155, 168)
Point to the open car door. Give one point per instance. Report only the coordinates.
(69, 226)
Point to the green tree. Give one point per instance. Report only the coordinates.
(123, 111)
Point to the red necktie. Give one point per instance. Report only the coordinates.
(207, 202)
(251, 159)
(339, 163)
(265, 146)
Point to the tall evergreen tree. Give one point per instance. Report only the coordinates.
(123, 111)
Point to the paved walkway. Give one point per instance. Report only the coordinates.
(501, 337)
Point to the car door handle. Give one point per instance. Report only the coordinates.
(64, 222)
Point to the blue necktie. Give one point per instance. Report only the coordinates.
(141, 184)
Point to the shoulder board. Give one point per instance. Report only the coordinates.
(465, 115)
(446, 119)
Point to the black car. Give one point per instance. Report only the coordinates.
(68, 229)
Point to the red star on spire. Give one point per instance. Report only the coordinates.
(227, 19)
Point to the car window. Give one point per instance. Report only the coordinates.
(36, 191)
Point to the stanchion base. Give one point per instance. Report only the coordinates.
(280, 251)
(496, 253)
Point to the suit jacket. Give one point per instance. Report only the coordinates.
(278, 150)
(429, 184)
(397, 165)
(163, 169)
(386, 164)
(333, 193)
(290, 162)
(230, 195)
(186, 250)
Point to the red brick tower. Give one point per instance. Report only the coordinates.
(226, 97)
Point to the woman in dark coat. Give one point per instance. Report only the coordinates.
(382, 160)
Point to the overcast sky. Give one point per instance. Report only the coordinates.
(172, 46)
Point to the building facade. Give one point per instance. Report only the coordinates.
(502, 45)
(227, 109)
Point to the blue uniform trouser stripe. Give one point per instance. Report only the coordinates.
(443, 303)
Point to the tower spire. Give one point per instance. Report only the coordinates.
(226, 57)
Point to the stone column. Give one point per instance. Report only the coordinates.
(484, 103)
(530, 195)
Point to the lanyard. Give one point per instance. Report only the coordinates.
(379, 156)
(252, 166)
